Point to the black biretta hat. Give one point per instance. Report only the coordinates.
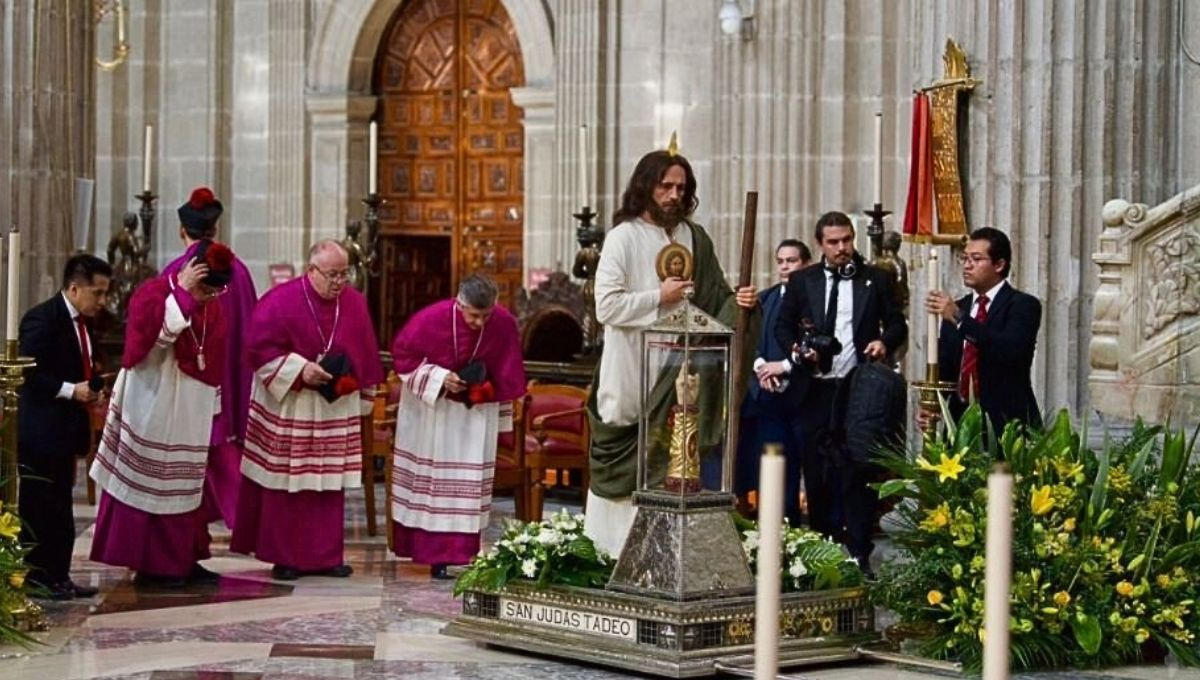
(200, 214)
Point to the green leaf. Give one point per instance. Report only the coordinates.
(1087, 633)
(1174, 456)
(1139, 460)
(1179, 555)
(895, 487)
(1100, 485)
(583, 548)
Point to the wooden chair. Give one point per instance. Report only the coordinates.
(512, 471)
(378, 437)
(558, 424)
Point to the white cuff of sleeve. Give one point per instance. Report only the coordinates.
(67, 391)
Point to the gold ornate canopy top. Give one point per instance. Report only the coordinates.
(673, 145)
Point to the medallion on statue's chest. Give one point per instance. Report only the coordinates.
(674, 260)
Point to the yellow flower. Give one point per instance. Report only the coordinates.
(1041, 502)
(947, 469)
(1062, 598)
(934, 597)
(936, 518)
(1163, 580)
(1125, 588)
(16, 579)
(1069, 524)
(10, 526)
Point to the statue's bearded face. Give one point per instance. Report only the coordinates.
(667, 207)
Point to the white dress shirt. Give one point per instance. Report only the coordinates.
(67, 391)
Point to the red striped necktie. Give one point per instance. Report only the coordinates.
(969, 375)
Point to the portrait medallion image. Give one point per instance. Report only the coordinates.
(673, 260)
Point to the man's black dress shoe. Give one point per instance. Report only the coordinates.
(58, 591)
(438, 571)
(282, 573)
(201, 575)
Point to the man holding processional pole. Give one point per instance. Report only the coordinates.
(635, 284)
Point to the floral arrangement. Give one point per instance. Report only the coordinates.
(13, 594)
(810, 561)
(1106, 556)
(553, 551)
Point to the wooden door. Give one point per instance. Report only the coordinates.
(451, 154)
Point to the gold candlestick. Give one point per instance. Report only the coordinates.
(28, 616)
(12, 376)
(931, 388)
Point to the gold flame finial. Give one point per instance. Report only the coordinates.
(954, 61)
(673, 145)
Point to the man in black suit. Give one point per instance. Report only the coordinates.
(834, 318)
(54, 421)
(988, 337)
(769, 410)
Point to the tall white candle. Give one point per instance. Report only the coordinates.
(373, 155)
(14, 283)
(997, 574)
(931, 337)
(120, 23)
(770, 539)
(879, 158)
(583, 163)
(147, 155)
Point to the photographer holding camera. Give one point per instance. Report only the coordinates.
(836, 317)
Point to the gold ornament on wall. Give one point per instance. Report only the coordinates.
(101, 9)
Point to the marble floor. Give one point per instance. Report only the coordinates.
(383, 622)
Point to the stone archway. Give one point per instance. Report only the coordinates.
(339, 101)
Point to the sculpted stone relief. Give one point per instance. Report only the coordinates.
(1174, 264)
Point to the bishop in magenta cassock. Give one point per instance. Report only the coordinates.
(198, 219)
(153, 455)
(313, 350)
(460, 361)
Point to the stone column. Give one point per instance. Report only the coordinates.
(543, 223)
(287, 224)
(578, 80)
(194, 127)
(46, 81)
(126, 101)
(338, 157)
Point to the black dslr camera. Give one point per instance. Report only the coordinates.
(826, 346)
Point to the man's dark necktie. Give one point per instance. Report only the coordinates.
(831, 307)
(969, 375)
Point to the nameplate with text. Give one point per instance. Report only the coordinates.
(568, 619)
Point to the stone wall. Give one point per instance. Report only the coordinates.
(1080, 101)
(46, 80)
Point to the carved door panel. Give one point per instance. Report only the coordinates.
(418, 274)
(451, 144)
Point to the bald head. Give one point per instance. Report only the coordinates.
(327, 267)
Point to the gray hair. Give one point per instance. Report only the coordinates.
(323, 245)
(477, 291)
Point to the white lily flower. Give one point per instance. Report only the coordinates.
(529, 568)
